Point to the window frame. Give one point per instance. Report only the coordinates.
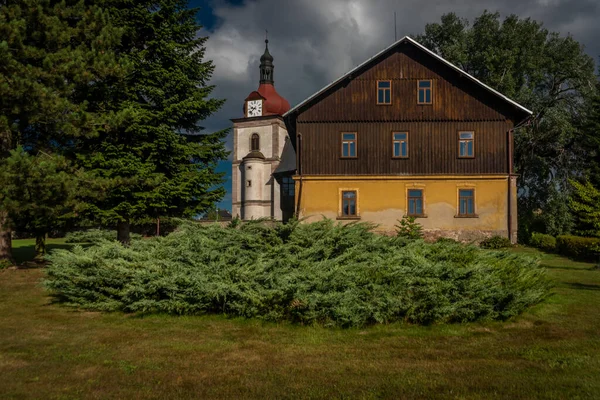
(252, 137)
(407, 145)
(342, 141)
(409, 197)
(425, 103)
(459, 140)
(384, 89)
(341, 215)
(458, 199)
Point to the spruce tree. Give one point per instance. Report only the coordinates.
(155, 161)
(36, 192)
(48, 50)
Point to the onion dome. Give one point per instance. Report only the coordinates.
(273, 103)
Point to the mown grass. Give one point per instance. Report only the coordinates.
(52, 352)
(24, 249)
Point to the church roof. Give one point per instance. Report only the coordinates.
(407, 39)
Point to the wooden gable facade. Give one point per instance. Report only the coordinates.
(454, 171)
(457, 104)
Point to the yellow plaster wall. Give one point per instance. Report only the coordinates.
(382, 200)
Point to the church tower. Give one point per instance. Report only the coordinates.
(258, 142)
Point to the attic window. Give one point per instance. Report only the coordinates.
(384, 92)
(424, 92)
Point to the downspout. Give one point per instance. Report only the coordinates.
(299, 171)
(510, 174)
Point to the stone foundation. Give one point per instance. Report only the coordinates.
(464, 236)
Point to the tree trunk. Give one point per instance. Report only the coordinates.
(40, 247)
(157, 226)
(123, 232)
(5, 240)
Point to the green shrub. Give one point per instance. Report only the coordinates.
(582, 248)
(447, 240)
(495, 242)
(408, 228)
(322, 272)
(95, 236)
(543, 241)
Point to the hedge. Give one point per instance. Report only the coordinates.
(581, 248)
(543, 241)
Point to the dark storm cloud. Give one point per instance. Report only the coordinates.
(316, 41)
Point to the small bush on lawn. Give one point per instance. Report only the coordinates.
(336, 275)
(95, 236)
(582, 248)
(495, 242)
(543, 241)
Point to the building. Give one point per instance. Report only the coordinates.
(404, 133)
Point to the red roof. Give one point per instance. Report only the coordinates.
(273, 104)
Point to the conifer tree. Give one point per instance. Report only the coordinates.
(156, 161)
(49, 49)
(585, 204)
(36, 191)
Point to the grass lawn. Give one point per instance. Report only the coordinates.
(53, 352)
(24, 249)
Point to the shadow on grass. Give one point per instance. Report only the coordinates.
(26, 253)
(581, 286)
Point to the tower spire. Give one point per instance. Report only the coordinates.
(266, 63)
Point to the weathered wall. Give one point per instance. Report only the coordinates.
(382, 200)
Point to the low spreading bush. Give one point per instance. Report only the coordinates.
(582, 248)
(336, 275)
(543, 241)
(495, 242)
(95, 236)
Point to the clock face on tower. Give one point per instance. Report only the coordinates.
(255, 108)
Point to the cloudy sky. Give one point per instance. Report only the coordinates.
(315, 41)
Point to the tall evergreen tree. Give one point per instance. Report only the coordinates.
(36, 191)
(49, 49)
(156, 161)
(549, 74)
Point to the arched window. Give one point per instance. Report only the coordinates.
(255, 142)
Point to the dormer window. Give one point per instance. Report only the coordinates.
(255, 142)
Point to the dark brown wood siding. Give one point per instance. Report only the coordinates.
(433, 148)
(458, 104)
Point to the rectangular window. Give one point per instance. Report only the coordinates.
(349, 203)
(466, 202)
(288, 187)
(384, 92)
(400, 144)
(466, 144)
(415, 202)
(348, 144)
(425, 96)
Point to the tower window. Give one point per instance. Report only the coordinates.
(249, 183)
(424, 92)
(384, 92)
(255, 142)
